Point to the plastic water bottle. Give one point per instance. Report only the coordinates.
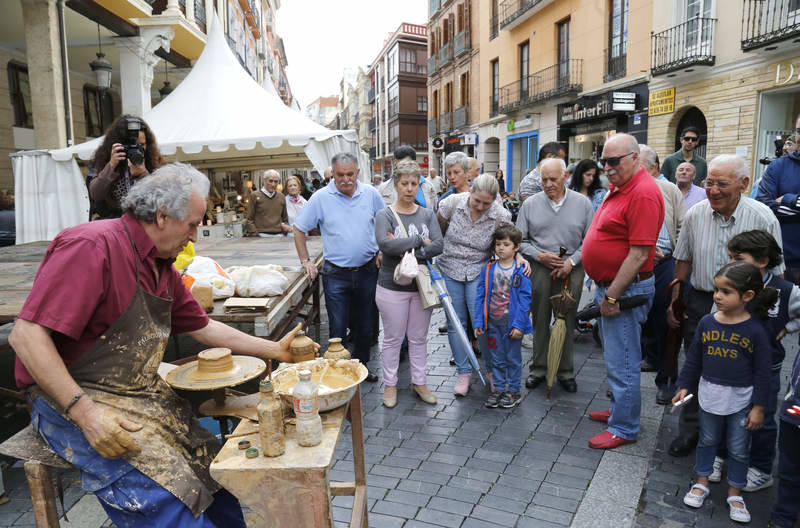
(270, 421)
(306, 408)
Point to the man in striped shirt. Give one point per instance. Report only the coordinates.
(702, 249)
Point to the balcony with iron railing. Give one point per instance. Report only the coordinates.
(685, 45)
(462, 43)
(461, 117)
(412, 68)
(493, 28)
(373, 124)
(445, 54)
(432, 63)
(494, 105)
(371, 95)
(433, 127)
(446, 122)
(768, 22)
(555, 81)
(616, 59)
(515, 12)
(394, 106)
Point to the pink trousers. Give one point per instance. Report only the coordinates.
(402, 315)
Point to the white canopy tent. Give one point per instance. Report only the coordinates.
(217, 118)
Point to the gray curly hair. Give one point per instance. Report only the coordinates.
(168, 189)
(405, 168)
(455, 158)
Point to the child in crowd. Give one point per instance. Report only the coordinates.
(760, 249)
(729, 363)
(501, 311)
(787, 510)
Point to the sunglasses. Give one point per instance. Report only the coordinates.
(690, 139)
(614, 161)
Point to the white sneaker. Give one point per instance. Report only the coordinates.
(527, 341)
(738, 514)
(757, 480)
(716, 474)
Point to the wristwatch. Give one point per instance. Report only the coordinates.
(611, 300)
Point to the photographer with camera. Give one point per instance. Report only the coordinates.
(129, 152)
(779, 188)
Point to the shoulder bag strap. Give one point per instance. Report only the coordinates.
(400, 222)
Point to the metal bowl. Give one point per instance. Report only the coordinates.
(337, 380)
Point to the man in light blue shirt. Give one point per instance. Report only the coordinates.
(345, 212)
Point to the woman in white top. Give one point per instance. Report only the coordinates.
(294, 202)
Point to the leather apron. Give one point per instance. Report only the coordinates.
(120, 371)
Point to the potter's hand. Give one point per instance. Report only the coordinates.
(310, 269)
(106, 430)
(284, 354)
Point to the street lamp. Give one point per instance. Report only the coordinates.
(166, 89)
(101, 66)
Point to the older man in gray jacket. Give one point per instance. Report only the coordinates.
(553, 225)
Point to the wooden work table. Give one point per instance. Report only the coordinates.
(293, 490)
(19, 264)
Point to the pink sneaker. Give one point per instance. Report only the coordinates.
(491, 381)
(462, 384)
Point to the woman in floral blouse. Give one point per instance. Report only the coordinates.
(468, 221)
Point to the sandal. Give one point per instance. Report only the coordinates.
(694, 500)
(738, 514)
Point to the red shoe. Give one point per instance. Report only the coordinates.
(606, 440)
(600, 416)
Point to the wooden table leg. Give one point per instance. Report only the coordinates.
(359, 516)
(43, 495)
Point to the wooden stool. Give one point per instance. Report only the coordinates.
(27, 445)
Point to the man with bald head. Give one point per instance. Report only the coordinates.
(684, 179)
(618, 255)
(266, 209)
(550, 220)
(702, 249)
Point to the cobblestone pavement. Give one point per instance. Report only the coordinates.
(459, 464)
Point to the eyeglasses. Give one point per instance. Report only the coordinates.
(721, 185)
(690, 139)
(613, 161)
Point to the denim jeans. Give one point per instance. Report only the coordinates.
(762, 446)
(351, 294)
(716, 430)
(786, 510)
(462, 294)
(506, 358)
(622, 350)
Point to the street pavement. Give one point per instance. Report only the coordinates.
(459, 464)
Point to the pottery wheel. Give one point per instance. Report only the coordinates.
(214, 369)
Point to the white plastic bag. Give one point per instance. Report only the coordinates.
(406, 271)
(205, 271)
(258, 281)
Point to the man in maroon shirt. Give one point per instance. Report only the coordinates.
(89, 340)
(618, 255)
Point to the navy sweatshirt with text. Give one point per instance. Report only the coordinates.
(734, 355)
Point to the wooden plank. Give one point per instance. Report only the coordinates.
(43, 494)
(347, 489)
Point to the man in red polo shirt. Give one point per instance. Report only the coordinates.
(618, 255)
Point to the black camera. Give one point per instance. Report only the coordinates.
(779, 144)
(133, 151)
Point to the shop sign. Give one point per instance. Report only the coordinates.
(786, 73)
(623, 101)
(453, 140)
(469, 139)
(584, 109)
(661, 102)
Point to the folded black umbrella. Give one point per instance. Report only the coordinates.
(592, 310)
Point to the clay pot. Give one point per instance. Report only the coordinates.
(336, 350)
(302, 347)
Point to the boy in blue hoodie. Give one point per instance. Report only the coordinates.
(501, 311)
(786, 511)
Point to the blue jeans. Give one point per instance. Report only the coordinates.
(462, 294)
(506, 356)
(762, 447)
(787, 509)
(716, 429)
(622, 349)
(351, 294)
(130, 498)
(654, 332)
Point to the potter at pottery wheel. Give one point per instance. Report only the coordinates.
(215, 368)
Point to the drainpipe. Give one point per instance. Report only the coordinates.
(65, 72)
